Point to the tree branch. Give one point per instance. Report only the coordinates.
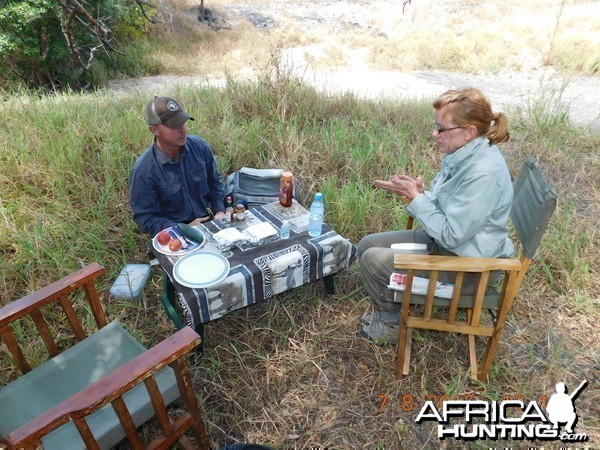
(94, 27)
(141, 4)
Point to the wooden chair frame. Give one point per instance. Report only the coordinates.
(515, 270)
(109, 389)
(533, 206)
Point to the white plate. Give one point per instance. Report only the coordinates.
(164, 249)
(201, 270)
(409, 247)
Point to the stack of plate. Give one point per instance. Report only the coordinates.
(409, 247)
(201, 270)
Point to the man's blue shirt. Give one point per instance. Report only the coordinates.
(164, 191)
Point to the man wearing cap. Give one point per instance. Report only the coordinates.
(176, 179)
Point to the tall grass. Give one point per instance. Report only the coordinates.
(292, 372)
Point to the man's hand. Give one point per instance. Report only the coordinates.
(402, 185)
(199, 220)
(219, 214)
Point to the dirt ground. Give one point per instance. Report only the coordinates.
(578, 95)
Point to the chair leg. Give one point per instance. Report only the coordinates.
(400, 356)
(189, 398)
(472, 356)
(403, 340)
(492, 346)
(472, 352)
(488, 357)
(407, 348)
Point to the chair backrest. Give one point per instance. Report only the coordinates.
(533, 204)
(61, 292)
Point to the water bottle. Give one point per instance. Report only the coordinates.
(315, 218)
(284, 231)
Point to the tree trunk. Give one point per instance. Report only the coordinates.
(201, 15)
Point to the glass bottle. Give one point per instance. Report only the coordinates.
(316, 214)
(286, 189)
(284, 231)
(229, 211)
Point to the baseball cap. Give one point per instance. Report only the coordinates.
(166, 111)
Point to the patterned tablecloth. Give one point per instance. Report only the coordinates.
(258, 272)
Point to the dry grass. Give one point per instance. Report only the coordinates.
(451, 35)
(293, 374)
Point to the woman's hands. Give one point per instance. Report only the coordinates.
(402, 185)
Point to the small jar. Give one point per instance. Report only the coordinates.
(240, 212)
(284, 231)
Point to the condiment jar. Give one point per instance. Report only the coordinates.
(286, 189)
(240, 212)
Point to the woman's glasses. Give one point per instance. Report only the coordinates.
(441, 129)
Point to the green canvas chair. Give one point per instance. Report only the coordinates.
(99, 390)
(533, 205)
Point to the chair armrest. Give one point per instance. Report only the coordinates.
(48, 294)
(453, 263)
(108, 388)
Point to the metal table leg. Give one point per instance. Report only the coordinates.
(168, 297)
(329, 284)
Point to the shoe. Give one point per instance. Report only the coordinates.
(384, 316)
(366, 319)
(380, 332)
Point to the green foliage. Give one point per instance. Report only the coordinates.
(132, 63)
(29, 43)
(35, 52)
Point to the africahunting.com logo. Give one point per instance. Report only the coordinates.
(508, 419)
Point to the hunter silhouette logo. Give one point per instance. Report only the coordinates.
(561, 407)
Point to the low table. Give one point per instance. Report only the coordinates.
(257, 272)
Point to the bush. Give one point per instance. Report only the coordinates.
(36, 53)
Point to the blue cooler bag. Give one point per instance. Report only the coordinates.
(255, 187)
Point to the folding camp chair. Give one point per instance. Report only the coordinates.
(99, 390)
(533, 205)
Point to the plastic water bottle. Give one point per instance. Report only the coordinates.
(284, 231)
(315, 218)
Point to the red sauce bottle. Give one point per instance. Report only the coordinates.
(286, 189)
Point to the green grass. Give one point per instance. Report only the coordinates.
(291, 373)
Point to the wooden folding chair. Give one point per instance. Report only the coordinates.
(99, 390)
(533, 205)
